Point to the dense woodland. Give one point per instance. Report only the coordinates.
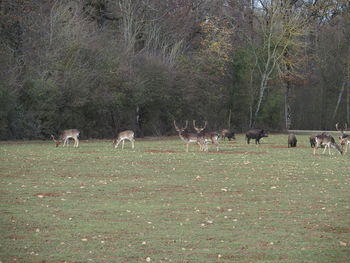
(105, 65)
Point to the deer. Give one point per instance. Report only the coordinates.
(65, 136)
(208, 136)
(188, 137)
(327, 141)
(122, 136)
(344, 139)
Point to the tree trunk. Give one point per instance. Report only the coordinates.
(263, 84)
(348, 103)
(287, 106)
(339, 99)
(229, 119)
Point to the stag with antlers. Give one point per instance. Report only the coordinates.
(344, 139)
(208, 136)
(188, 137)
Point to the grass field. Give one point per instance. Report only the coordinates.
(157, 203)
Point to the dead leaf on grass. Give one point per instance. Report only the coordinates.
(343, 244)
(41, 195)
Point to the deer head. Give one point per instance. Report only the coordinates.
(199, 129)
(180, 129)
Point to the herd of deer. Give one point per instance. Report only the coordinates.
(202, 138)
(327, 141)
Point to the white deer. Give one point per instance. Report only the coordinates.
(122, 136)
(65, 136)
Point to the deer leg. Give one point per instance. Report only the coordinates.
(123, 144)
(217, 146)
(132, 143)
(200, 145)
(187, 147)
(116, 145)
(205, 146)
(76, 142)
(325, 148)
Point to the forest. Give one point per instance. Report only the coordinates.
(102, 66)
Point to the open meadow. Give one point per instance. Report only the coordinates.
(157, 203)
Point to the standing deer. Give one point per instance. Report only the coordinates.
(344, 139)
(122, 136)
(327, 141)
(188, 137)
(208, 136)
(65, 136)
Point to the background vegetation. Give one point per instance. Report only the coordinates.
(157, 203)
(105, 65)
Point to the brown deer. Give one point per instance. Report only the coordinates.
(327, 141)
(65, 136)
(344, 139)
(188, 137)
(122, 136)
(208, 136)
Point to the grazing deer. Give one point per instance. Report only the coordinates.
(344, 139)
(208, 136)
(327, 141)
(122, 136)
(65, 136)
(191, 138)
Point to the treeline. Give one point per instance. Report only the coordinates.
(105, 65)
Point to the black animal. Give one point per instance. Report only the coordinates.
(256, 134)
(312, 139)
(292, 140)
(231, 136)
(225, 133)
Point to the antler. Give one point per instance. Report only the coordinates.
(176, 128)
(197, 128)
(186, 125)
(337, 127)
(205, 124)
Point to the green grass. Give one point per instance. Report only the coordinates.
(157, 203)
